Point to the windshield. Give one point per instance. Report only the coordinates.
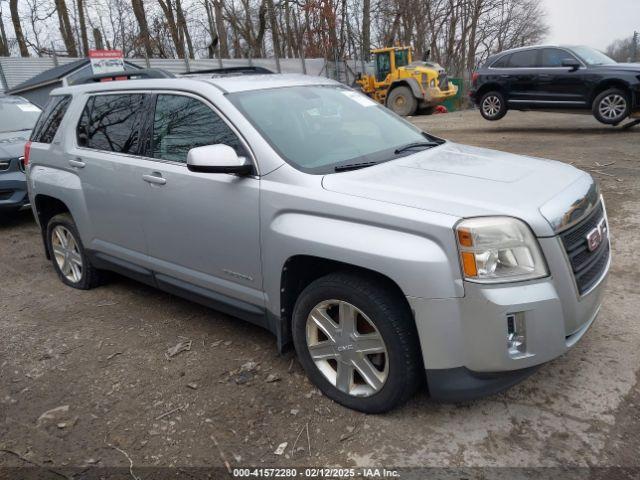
(591, 56)
(317, 128)
(17, 114)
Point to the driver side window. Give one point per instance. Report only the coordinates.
(383, 66)
(181, 123)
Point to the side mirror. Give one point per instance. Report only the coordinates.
(218, 158)
(572, 63)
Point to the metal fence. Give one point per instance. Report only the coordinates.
(15, 70)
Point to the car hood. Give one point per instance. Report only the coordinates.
(12, 143)
(466, 181)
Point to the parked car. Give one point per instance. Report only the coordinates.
(305, 207)
(17, 118)
(557, 78)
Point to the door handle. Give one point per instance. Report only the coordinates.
(77, 163)
(155, 179)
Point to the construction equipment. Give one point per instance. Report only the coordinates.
(403, 85)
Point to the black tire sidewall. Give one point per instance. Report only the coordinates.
(503, 106)
(67, 222)
(378, 310)
(412, 102)
(596, 106)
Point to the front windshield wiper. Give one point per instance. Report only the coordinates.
(409, 146)
(353, 166)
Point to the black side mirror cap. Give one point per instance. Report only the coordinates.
(241, 170)
(572, 63)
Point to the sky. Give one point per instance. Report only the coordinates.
(596, 23)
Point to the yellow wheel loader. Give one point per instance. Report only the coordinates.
(403, 85)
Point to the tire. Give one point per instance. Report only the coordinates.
(611, 107)
(493, 106)
(402, 101)
(70, 260)
(394, 367)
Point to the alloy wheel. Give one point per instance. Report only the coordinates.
(347, 348)
(491, 106)
(66, 253)
(612, 106)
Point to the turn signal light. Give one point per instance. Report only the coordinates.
(469, 264)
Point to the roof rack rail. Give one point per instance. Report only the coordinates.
(125, 75)
(242, 70)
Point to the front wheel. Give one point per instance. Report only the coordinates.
(611, 107)
(357, 342)
(493, 106)
(402, 101)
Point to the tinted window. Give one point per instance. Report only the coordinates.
(553, 57)
(383, 66)
(401, 58)
(17, 114)
(49, 121)
(181, 123)
(525, 59)
(502, 62)
(111, 122)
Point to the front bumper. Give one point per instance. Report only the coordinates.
(13, 191)
(464, 340)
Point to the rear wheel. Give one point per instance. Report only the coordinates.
(402, 101)
(493, 106)
(357, 342)
(68, 255)
(611, 107)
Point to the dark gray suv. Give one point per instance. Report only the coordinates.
(17, 119)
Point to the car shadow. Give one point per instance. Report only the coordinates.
(16, 219)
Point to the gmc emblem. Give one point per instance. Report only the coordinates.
(596, 236)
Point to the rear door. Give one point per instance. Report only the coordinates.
(522, 72)
(107, 161)
(202, 229)
(560, 85)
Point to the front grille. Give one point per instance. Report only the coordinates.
(5, 194)
(443, 82)
(587, 266)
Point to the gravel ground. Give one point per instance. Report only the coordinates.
(99, 360)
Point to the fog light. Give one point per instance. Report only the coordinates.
(516, 334)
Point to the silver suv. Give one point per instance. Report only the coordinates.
(293, 202)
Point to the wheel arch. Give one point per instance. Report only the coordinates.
(46, 207)
(489, 87)
(606, 85)
(299, 271)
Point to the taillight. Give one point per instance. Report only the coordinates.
(474, 77)
(27, 151)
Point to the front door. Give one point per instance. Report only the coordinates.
(560, 85)
(202, 229)
(106, 159)
(522, 77)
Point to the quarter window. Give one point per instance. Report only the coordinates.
(181, 123)
(111, 123)
(524, 59)
(49, 121)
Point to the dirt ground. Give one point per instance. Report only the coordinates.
(99, 358)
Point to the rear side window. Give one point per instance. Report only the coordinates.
(502, 62)
(524, 59)
(50, 118)
(111, 123)
(181, 123)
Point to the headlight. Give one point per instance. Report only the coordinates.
(433, 83)
(499, 249)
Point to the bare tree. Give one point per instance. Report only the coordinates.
(141, 17)
(65, 28)
(17, 27)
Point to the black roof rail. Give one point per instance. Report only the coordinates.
(242, 70)
(126, 74)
